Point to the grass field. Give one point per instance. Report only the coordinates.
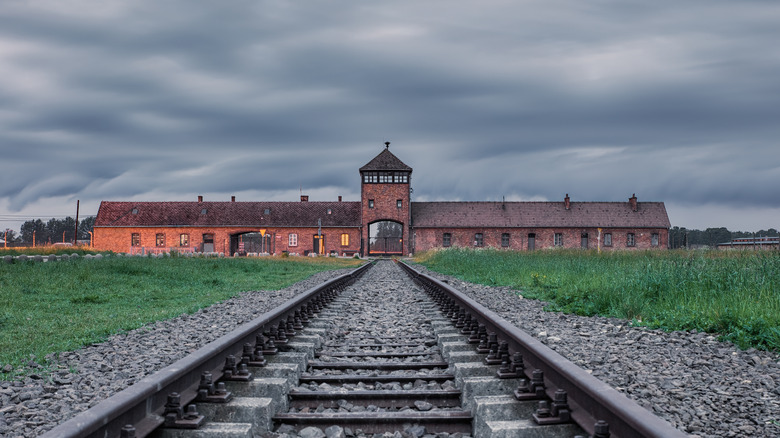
(59, 306)
(733, 294)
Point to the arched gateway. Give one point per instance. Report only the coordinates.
(385, 195)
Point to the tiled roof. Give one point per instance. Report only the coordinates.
(539, 214)
(386, 161)
(250, 214)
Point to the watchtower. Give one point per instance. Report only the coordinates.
(385, 195)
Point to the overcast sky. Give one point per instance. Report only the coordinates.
(676, 101)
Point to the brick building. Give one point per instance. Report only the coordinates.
(384, 221)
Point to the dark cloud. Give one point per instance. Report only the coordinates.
(676, 102)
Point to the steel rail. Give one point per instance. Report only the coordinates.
(143, 403)
(590, 399)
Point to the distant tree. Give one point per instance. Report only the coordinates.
(34, 228)
(10, 236)
(86, 225)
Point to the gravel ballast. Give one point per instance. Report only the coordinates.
(702, 386)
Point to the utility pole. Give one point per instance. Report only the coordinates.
(76, 232)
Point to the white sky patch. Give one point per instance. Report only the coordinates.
(157, 121)
(18, 78)
(389, 33)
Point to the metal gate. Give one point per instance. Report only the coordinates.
(385, 238)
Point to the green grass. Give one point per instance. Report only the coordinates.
(733, 294)
(59, 306)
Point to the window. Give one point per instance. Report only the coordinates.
(267, 211)
(204, 211)
(135, 239)
(630, 239)
(608, 239)
(446, 240)
(184, 240)
(330, 211)
(558, 239)
(135, 211)
(345, 239)
(505, 240)
(292, 239)
(159, 239)
(478, 239)
(399, 203)
(370, 203)
(385, 177)
(654, 239)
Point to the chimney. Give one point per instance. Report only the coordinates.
(339, 198)
(232, 199)
(200, 198)
(632, 202)
(567, 202)
(304, 198)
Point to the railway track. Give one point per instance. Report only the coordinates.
(382, 355)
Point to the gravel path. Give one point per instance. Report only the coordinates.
(84, 377)
(701, 386)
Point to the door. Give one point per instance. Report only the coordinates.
(531, 242)
(208, 243)
(584, 241)
(319, 244)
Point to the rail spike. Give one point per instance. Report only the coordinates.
(176, 418)
(533, 390)
(558, 413)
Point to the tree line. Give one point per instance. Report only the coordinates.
(692, 238)
(50, 232)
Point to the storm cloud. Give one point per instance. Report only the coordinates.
(166, 100)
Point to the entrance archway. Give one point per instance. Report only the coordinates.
(251, 243)
(385, 238)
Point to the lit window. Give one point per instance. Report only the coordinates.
(345, 239)
(184, 240)
(446, 240)
(330, 211)
(370, 203)
(478, 239)
(505, 240)
(292, 240)
(630, 239)
(558, 240)
(135, 239)
(399, 203)
(159, 239)
(608, 239)
(654, 239)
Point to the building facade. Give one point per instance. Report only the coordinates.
(384, 222)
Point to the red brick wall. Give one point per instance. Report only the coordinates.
(118, 239)
(430, 238)
(385, 198)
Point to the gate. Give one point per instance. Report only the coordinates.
(385, 238)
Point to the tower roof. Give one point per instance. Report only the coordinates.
(385, 161)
